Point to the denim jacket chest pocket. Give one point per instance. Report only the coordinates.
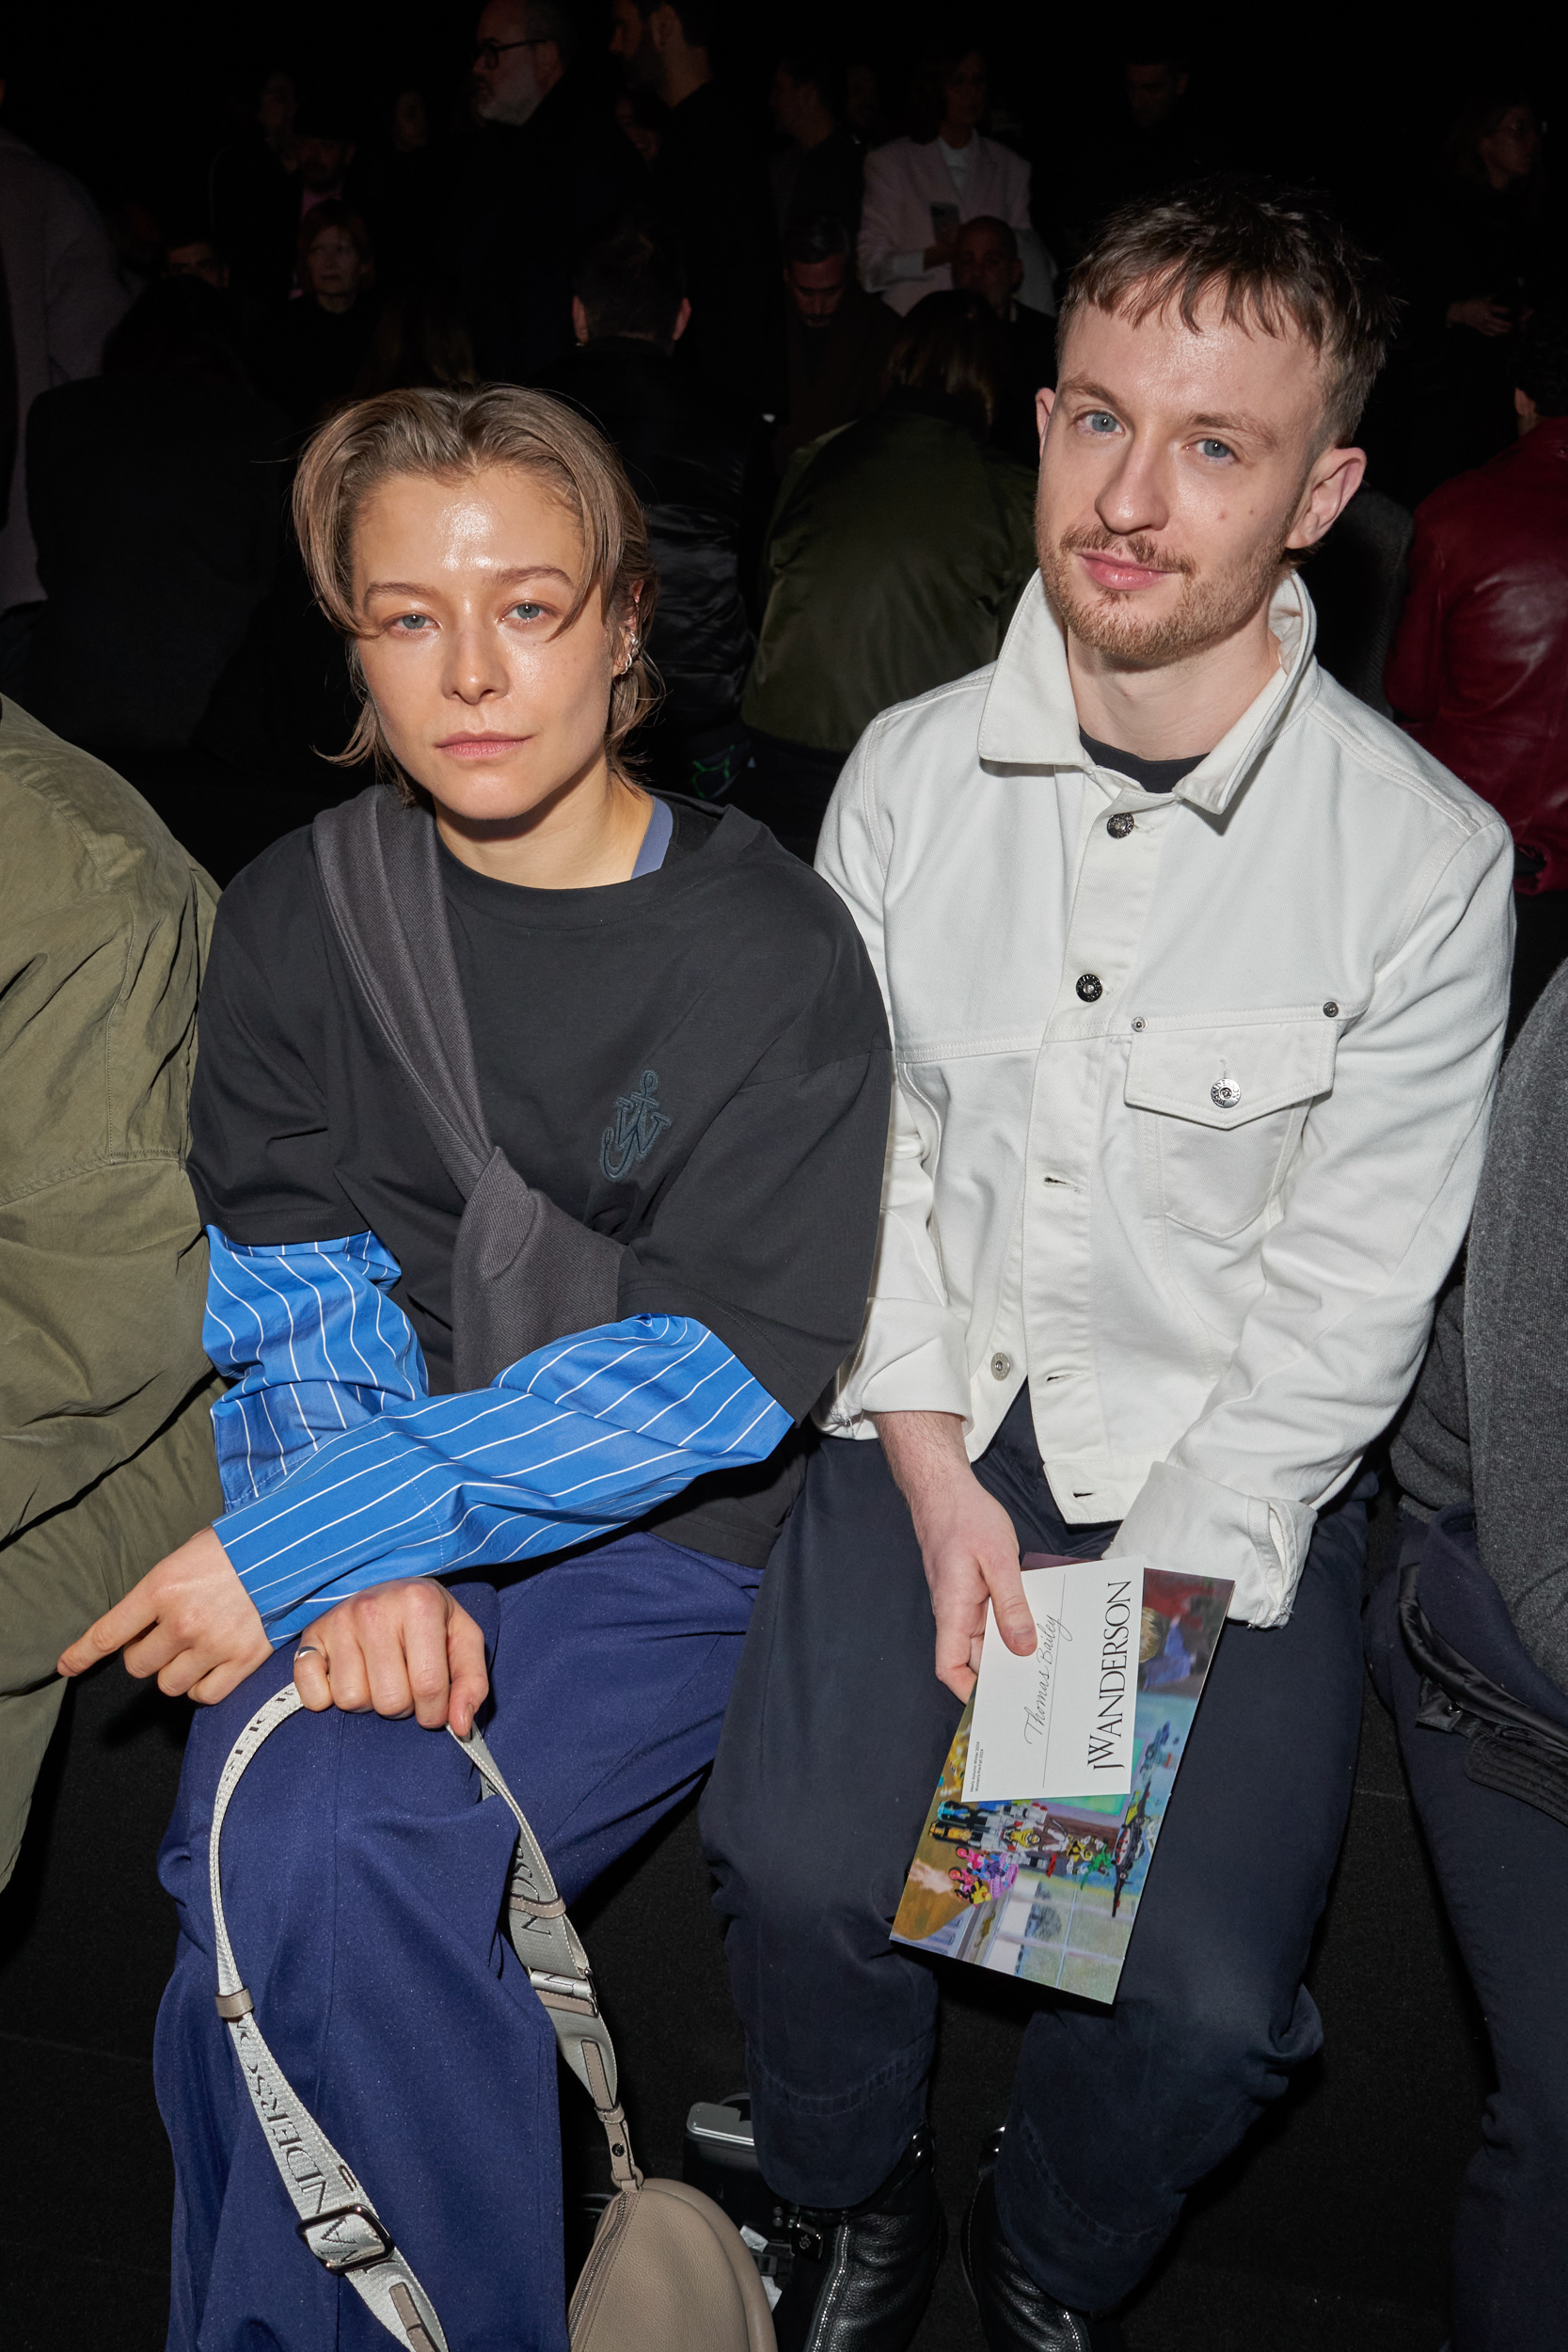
(1223, 1103)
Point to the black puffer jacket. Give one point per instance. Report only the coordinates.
(689, 462)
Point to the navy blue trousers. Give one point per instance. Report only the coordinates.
(835, 1736)
(363, 1884)
(1503, 1868)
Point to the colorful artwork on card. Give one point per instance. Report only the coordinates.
(1049, 1889)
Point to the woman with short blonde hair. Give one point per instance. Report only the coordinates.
(538, 1132)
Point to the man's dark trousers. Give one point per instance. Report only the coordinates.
(1503, 1868)
(832, 1743)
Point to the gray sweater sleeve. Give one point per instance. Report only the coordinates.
(1516, 1338)
(1431, 1453)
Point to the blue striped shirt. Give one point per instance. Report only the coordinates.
(341, 1470)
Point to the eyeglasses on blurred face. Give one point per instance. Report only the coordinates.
(489, 52)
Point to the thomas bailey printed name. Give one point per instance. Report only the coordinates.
(1060, 1724)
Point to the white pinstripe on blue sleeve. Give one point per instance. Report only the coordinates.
(315, 1344)
(572, 1442)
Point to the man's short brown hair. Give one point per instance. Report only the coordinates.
(1273, 256)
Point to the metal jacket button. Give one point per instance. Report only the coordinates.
(1001, 1366)
(1120, 825)
(1332, 1009)
(1225, 1093)
(1090, 986)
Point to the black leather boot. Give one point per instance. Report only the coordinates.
(859, 2280)
(1016, 2315)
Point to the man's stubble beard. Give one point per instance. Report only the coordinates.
(1211, 607)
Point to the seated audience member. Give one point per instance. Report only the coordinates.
(1479, 663)
(863, 110)
(190, 252)
(897, 550)
(919, 190)
(710, 185)
(818, 169)
(837, 336)
(314, 347)
(642, 118)
(60, 293)
(986, 261)
(325, 146)
(269, 734)
(1160, 141)
(105, 1444)
(545, 161)
(154, 491)
(1468, 1646)
(255, 191)
(1487, 252)
(1357, 577)
(399, 186)
(690, 462)
(663, 1053)
(421, 337)
(1197, 975)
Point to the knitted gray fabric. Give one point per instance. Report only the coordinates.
(1432, 1453)
(1492, 1421)
(523, 1273)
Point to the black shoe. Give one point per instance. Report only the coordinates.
(859, 2280)
(1016, 2315)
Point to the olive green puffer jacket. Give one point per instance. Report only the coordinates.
(898, 548)
(106, 1457)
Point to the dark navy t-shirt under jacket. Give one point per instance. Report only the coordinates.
(694, 1062)
(1149, 775)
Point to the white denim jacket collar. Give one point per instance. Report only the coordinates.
(1031, 721)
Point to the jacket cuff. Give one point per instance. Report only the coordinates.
(912, 1361)
(1180, 1520)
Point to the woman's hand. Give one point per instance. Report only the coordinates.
(190, 1622)
(407, 1648)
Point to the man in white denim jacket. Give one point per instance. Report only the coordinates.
(1198, 973)
(1191, 1107)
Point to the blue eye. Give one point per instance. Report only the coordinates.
(1212, 449)
(1101, 421)
(412, 624)
(528, 611)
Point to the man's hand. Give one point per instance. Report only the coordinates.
(404, 1649)
(966, 1541)
(190, 1622)
(1484, 315)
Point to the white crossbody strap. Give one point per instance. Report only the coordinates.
(338, 2221)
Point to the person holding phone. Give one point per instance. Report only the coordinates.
(920, 190)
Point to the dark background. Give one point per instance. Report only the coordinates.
(135, 100)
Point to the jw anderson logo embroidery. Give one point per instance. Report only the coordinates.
(639, 1123)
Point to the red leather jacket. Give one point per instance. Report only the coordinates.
(1478, 672)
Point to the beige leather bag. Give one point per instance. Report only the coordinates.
(667, 2271)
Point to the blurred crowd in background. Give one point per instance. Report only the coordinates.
(801, 268)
